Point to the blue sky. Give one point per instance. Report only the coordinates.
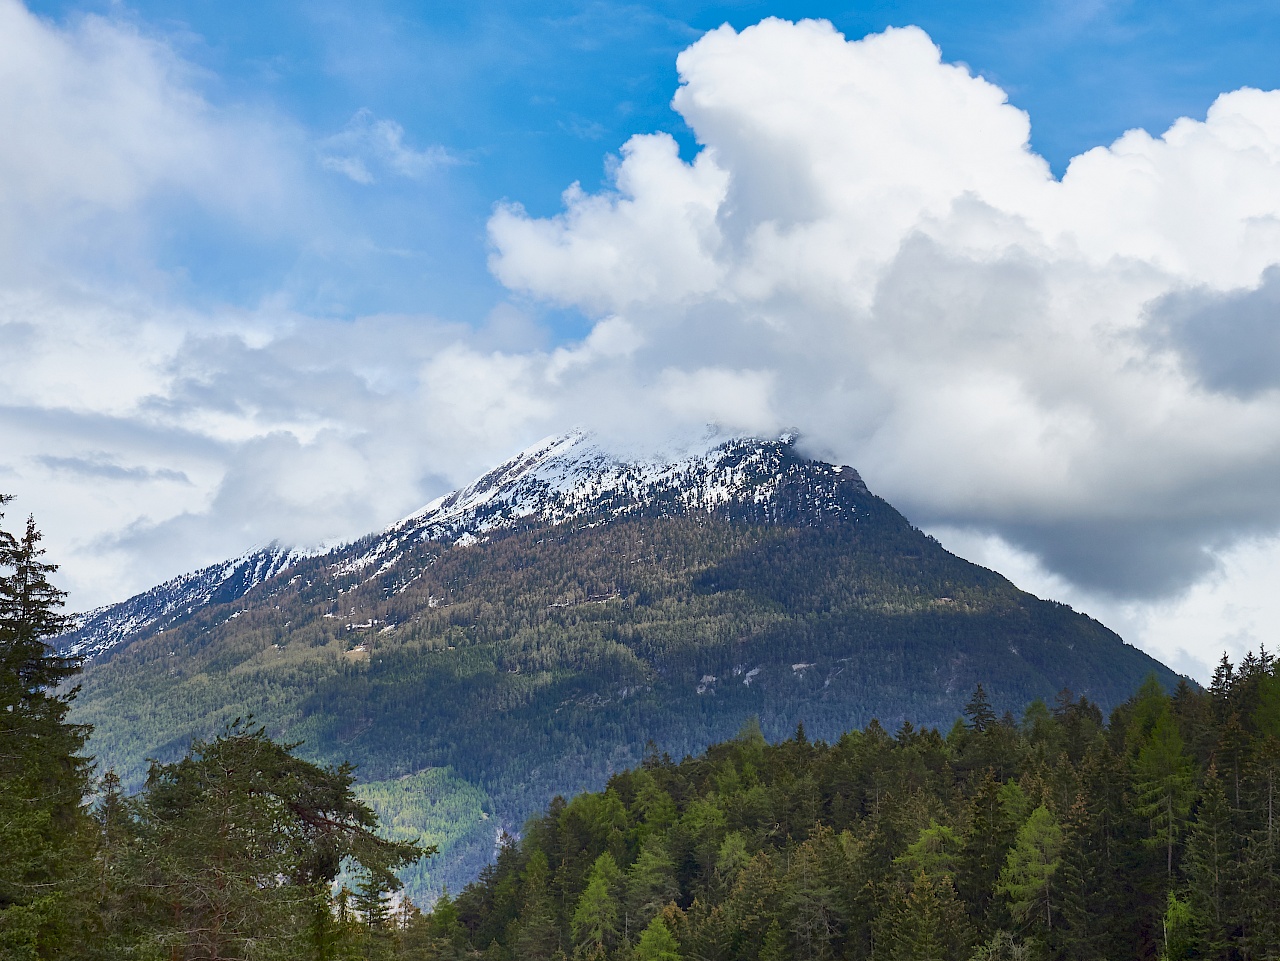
(287, 271)
(529, 97)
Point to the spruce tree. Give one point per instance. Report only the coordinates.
(44, 829)
(1210, 864)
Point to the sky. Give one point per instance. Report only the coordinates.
(287, 271)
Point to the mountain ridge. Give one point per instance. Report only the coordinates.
(554, 480)
(527, 635)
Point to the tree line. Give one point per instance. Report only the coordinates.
(1056, 836)
(231, 851)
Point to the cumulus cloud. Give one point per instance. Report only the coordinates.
(1085, 367)
(1076, 380)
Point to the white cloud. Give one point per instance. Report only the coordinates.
(367, 141)
(865, 229)
(100, 121)
(653, 242)
(864, 247)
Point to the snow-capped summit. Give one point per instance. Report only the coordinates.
(558, 479)
(571, 475)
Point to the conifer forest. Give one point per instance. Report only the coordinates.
(1057, 834)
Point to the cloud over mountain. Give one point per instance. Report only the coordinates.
(1086, 366)
(1077, 378)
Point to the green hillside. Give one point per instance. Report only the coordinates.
(543, 660)
(1055, 838)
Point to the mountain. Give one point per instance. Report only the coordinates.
(172, 602)
(556, 480)
(529, 634)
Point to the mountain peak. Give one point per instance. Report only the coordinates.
(573, 475)
(560, 478)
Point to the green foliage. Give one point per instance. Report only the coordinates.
(437, 808)
(880, 848)
(1163, 774)
(229, 851)
(44, 830)
(1027, 881)
(595, 919)
(657, 944)
(541, 661)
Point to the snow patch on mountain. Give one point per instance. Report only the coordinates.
(166, 604)
(570, 475)
(558, 479)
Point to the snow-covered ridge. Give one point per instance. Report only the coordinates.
(571, 475)
(558, 479)
(104, 627)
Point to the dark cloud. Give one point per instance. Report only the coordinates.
(103, 465)
(1229, 340)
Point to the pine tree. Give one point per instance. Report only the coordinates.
(1163, 778)
(595, 918)
(811, 904)
(924, 922)
(44, 828)
(1211, 857)
(936, 852)
(538, 937)
(650, 885)
(440, 935)
(979, 712)
(1260, 866)
(1076, 936)
(657, 943)
(245, 840)
(990, 834)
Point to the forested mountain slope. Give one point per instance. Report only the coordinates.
(531, 633)
(1056, 838)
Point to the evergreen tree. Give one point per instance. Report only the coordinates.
(1211, 857)
(1260, 866)
(1027, 881)
(650, 885)
(936, 852)
(595, 918)
(986, 844)
(979, 712)
(245, 840)
(44, 828)
(538, 936)
(1163, 778)
(657, 943)
(924, 922)
(810, 903)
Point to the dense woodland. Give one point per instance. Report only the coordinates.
(541, 661)
(230, 852)
(1056, 835)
